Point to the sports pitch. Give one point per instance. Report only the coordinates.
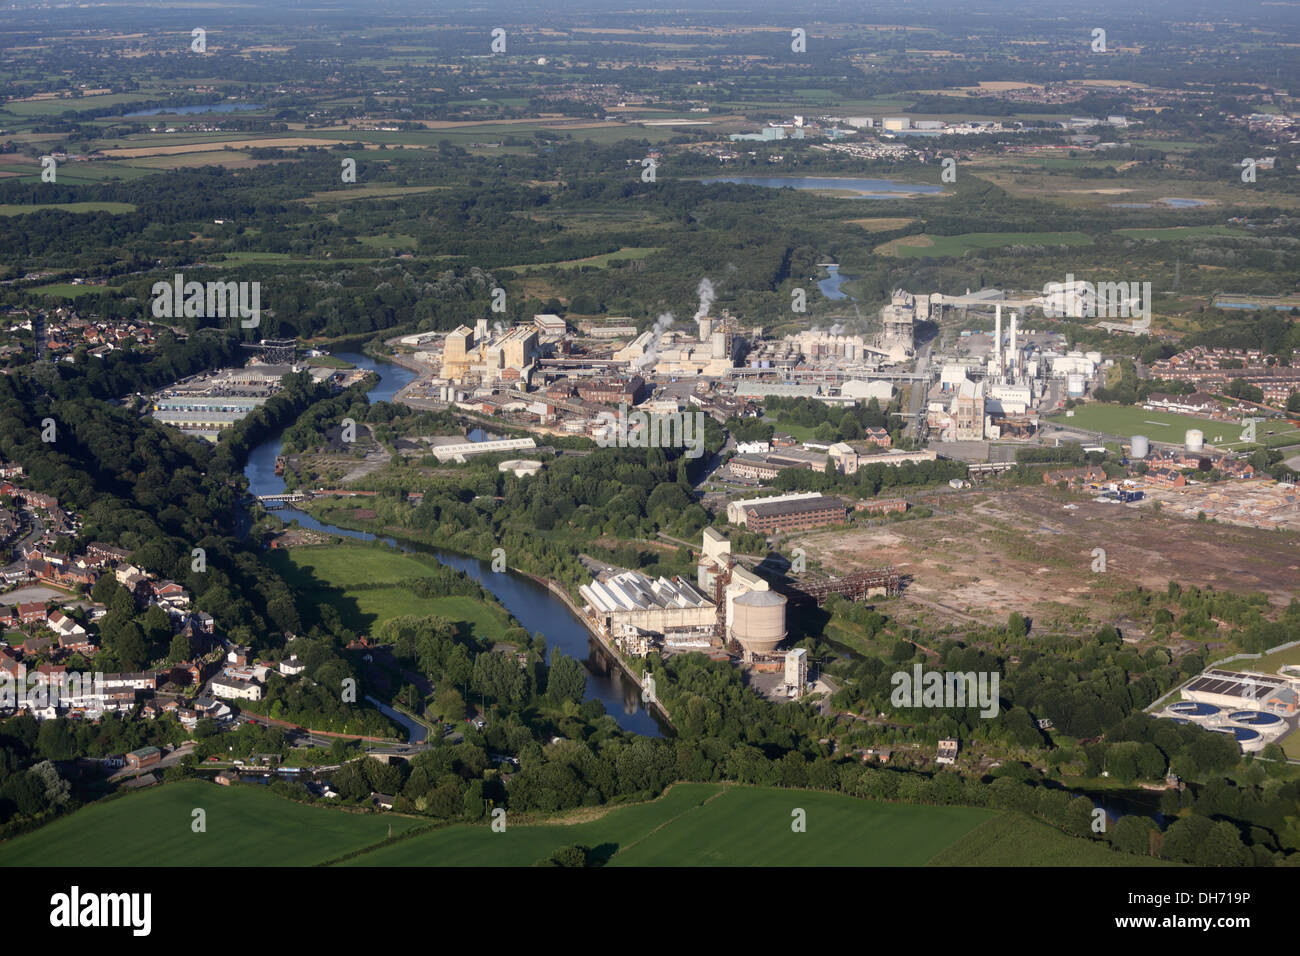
(1129, 420)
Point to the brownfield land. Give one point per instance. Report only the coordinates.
(987, 553)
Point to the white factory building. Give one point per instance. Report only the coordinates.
(629, 604)
(461, 450)
(632, 599)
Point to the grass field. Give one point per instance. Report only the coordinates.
(1182, 232)
(1015, 839)
(10, 209)
(601, 261)
(325, 573)
(921, 246)
(719, 825)
(691, 825)
(68, 290)
(1128, 420)
(246, 826)
(710, 825)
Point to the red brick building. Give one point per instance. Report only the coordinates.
(795, 515)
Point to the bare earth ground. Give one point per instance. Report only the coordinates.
(985, 554)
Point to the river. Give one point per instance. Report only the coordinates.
(535, 607)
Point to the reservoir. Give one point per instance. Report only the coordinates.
(535, 607)
(201, 108)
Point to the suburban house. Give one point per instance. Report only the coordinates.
(232, 688)
(33, 613)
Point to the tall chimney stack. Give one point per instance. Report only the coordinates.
(997, 339)
(1014, 358)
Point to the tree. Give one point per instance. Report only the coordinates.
(449, 705)
(1016, 625)
(571, 856)
(180, 649)
(567, 679)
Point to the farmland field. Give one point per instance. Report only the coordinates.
(246, 826)
(934, 246)
(714, 825)
(1014, 839)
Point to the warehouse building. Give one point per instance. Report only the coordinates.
(776, 516)
(736, 509)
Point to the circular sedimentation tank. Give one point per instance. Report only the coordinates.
(1194, 708)
(1255, 718)
(1243, 735)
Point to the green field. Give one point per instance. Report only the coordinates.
(1015, 839)
(693, 824)
(710, 824)
(719, 825)
(246, 826)
(922, 246)
(1128, 420)
(10, 209)
(601, 261)
(325, 574)
(1182, 232)
(69, 290)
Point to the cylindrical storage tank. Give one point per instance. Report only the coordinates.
(1141, 447)
(1195, 439)
(758, 621)
(1074, 385)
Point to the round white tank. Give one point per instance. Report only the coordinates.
(1141, 447)
(758, 621)
(1195, 439)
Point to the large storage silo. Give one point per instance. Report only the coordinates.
(1195, 439)
(758, 621)
(1141, 447)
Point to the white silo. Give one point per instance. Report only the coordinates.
(1195, 439)
(759, 621)
(1141, 447)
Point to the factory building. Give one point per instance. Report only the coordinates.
(967, 412)
(736, 509)
(632, 599)
(754, 614)
(796, 671)
(799, 515)
(476, 355)
(897, 320)
(459, 451)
